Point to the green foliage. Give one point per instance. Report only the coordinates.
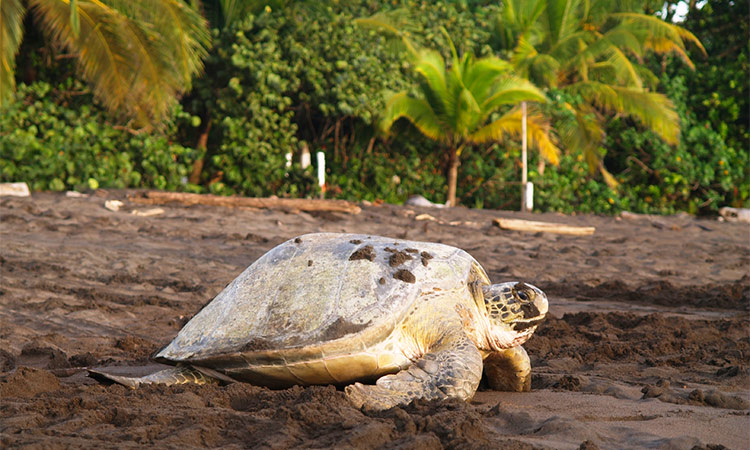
(56, 139)
(388, 175)
(305, 75)
(244, 99)
(702, 174)
(299, 75)
(718, 91)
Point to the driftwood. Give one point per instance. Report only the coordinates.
(14, 189)
(286, 204)
(546, 227)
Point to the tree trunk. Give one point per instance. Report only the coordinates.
(452, 176)
(195, 174)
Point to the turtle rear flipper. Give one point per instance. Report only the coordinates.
(173, 375)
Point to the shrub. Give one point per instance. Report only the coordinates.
(56, 138)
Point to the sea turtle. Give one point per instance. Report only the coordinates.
(419, 319)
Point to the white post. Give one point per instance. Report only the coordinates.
(322, 173)
(529, 193)
(524, 163)
(304, 157)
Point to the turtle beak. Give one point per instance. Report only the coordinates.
(523, 324)
(534, 310)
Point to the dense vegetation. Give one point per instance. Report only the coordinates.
(306, 77)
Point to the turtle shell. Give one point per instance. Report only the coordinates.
(315, 289)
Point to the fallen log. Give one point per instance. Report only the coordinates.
(286, 204)
(545, 227)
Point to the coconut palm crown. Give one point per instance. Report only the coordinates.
(457, 106)
(138, 55)
(593, 51)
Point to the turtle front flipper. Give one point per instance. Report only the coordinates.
(173, 375)
(451, 369)
(508, 370)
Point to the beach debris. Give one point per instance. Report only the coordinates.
(735, 214)
(545, 227)
(285, 204)
(75, 194)
(113, 205)
(14, 189)
(418, 200)
(454, 223)
(148, 212)
(466, 223)
(653, 220)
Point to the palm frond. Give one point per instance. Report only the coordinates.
(433, 83)
(523, 54)
(510, 91)
(182, 33)
(543, 70)
(509, 125)
(562, 18)
(610, 52)
(653, 110)
(138, 57)
(581, 131)
(569, 48)
(454, 52)
(234, 10)
(103, 51)
(11, 32)
(618, 69)
(660, 36)
(481, 76)
(416, 111)
(649, 79)
(623, 38)
(176, 31)
(467, 113)
(395, 25)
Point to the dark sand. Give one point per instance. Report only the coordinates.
(646, 346)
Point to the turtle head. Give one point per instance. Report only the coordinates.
(514, 310)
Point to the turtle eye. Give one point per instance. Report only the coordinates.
(523, 295)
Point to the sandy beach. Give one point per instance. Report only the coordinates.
(646, 344)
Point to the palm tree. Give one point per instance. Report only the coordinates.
(592, 51)
(138, 55)
(456, 106)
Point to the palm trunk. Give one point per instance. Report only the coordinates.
(195, 174)
(452, 176)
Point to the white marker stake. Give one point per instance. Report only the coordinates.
(524, 164)
(304, 158)
(322, 173)
(529, 192)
